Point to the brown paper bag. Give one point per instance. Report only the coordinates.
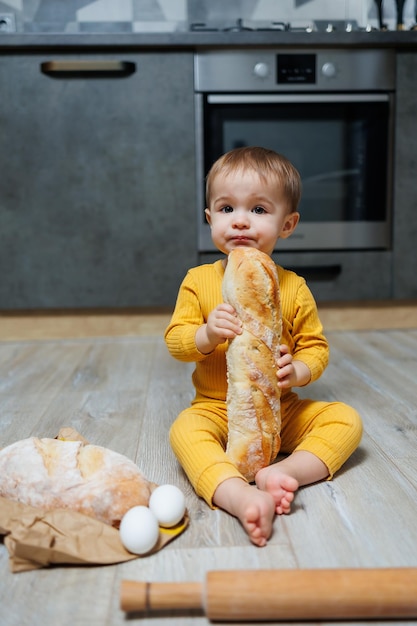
(36, 538)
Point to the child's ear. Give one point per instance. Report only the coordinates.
(208, 215)
(290, 225)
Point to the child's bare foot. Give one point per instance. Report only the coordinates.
(280, 485)
(254, 509)
(282, 479)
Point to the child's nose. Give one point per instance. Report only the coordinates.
(240, 219)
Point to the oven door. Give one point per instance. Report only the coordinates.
(341, 145)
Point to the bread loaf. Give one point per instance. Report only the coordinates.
(51, 474)
(251, 286)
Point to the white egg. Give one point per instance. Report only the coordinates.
(139, 530)
(167, 503)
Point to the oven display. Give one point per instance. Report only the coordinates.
(296, 69)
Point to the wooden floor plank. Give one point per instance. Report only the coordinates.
(354, 520)
(382, 358)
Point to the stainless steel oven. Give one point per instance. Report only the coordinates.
(329, 111)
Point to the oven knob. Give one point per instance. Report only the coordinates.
(261, 70)
(328, 69)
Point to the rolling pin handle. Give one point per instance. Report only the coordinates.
(146, 597)
(134, 596)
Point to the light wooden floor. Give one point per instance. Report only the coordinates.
(124, 391)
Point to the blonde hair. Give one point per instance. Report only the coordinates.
(267, 164)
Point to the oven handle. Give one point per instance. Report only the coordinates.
(293, 98)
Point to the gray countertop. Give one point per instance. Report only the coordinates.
(194, 40)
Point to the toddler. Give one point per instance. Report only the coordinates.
(252, 198)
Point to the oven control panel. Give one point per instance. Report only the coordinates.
(236, 71)
(296, 69)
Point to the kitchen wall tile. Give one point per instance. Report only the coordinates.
(144, 10)
(106, 11)
(166, 15)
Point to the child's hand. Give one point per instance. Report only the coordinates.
(291, 373)
(222, 324)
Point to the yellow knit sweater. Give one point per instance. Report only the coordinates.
(200, 293)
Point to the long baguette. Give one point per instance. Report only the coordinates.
(251, 286)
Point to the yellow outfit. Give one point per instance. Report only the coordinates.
(198, 436)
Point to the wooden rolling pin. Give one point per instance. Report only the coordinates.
(262, 595)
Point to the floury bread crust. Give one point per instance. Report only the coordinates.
(51, 474)
(251, 286)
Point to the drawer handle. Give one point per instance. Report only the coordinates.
(88, 67)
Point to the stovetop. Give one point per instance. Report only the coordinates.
(241, 25)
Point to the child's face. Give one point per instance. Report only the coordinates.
(246, 210)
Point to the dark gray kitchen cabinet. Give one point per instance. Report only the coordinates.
(97, 190)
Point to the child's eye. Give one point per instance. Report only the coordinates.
(227, 209)
(259, 210)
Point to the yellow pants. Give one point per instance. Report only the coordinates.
(330, 430)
